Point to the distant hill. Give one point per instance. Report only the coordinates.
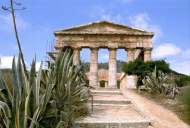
(104, 66)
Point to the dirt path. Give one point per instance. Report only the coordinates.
(160, 116)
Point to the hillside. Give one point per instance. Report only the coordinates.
(104, 66)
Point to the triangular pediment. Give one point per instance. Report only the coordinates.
(103, 27)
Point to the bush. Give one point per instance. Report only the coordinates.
(141, 68)
(183, 81)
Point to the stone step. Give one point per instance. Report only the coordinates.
(106, 91)
(114, 117)
(125, 124)
(108, 97)
(96, 106)
(114, 101)
(113, 105)
(92, 108)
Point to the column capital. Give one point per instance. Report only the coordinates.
(94, 48)
(129, 49)
(147, 54)
(112, 48)
(76, 48)
(147, 49)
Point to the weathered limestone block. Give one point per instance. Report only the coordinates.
(123, 81)
(147, 54)
(130, 54)
(128, 82)
(131, 81)
(76, 56)
(77, 38)
(112, 45)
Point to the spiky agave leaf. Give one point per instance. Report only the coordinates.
(23, 113)
(71, 88)
(5, 114)
(63, 94)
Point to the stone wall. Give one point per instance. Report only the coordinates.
(128, 82)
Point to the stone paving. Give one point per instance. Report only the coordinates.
(114, 111)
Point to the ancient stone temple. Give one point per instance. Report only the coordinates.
(103, 34)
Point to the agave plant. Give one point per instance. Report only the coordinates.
(50, 98)
(156, 81)
(159, 82)
(70, 93)
(22, 106)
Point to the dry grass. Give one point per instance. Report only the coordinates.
(180, 109)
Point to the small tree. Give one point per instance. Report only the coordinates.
(141, 68)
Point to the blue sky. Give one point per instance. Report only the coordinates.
(169, 19)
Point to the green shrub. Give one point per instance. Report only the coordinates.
(141, 68)
(182, 81)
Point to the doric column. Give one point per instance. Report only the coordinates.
(94, 68)
(147, 54)
(106, 84)
(112, 78)
(130, 54)
(76, 56)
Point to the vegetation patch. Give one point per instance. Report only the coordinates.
(142, 69)
(51, 98)
(180, 108)
(162, 85)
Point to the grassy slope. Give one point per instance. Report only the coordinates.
(176, 106)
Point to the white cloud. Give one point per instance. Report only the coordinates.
(181, 66)
(38, 64)
(113, 18)
(166, 50)
(7, 24)
(6, 62)
(103, 14)
(140, 21)
(143, 21)
(179, 59)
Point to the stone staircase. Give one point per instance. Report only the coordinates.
(112, 110)
(109, 98)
